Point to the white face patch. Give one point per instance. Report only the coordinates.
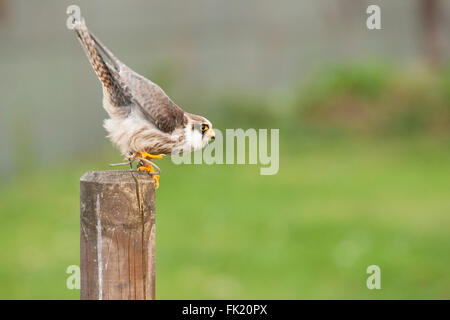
(194, 139)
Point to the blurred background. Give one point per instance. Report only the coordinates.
(364, 119)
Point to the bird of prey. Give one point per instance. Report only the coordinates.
(144, 122)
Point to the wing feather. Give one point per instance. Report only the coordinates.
(152, 100)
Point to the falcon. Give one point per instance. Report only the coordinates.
(144, 123)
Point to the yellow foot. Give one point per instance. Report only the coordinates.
(146, 155)
(147, 166)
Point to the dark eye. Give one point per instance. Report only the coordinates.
(205, 128)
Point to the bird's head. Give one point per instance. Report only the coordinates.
(199, 131)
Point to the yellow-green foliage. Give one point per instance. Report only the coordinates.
(377, 100)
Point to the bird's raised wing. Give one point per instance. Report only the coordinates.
(155, 103)
(152, 100)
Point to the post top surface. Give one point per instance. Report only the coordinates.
(116, 176)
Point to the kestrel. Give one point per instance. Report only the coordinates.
(144, 123)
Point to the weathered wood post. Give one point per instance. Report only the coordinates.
(117, 239)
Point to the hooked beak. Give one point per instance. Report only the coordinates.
(211, 134)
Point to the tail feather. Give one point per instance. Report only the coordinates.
(116, 96)
(107, 52)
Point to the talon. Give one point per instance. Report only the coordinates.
(149, 168)
(156, 177)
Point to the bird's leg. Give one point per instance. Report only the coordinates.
(147, 165)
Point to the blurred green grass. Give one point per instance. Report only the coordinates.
(223, 231)
(364, 179)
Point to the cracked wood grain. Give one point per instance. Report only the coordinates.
(117, 235)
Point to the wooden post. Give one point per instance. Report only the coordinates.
(117, 240)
